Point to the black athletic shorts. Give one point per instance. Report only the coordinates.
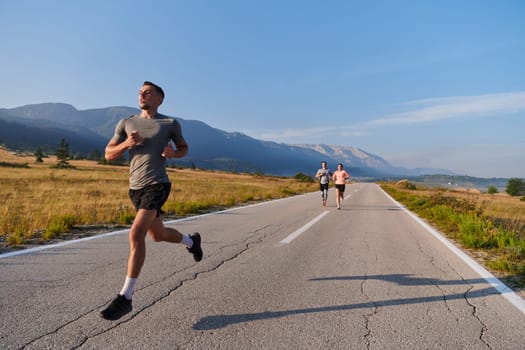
(323, 187)
(150, 197)
(341, 187)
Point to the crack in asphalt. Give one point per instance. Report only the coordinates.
(473, 307)
(474, 313)
(367, 317)
(253, 239)
(375, 309)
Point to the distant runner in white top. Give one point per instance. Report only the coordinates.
(323, 175)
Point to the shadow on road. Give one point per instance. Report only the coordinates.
(404, 280)
(221, 321)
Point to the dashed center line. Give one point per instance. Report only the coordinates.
(296, 234)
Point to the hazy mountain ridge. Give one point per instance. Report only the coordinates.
(461, 182)
(350, 156)
(27, 135)
(43, 125)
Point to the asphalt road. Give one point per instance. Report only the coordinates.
(286, 274)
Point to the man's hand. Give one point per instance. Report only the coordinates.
(168, 152)
(134, 139)
(178, 150)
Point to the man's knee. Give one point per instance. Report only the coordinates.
(137, 237)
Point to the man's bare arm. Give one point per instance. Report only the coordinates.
(115, 150)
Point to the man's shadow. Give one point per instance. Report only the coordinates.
(221, 321)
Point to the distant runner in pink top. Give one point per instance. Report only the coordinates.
(340, 176)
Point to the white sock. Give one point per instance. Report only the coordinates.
(127, 289)
(186, 240)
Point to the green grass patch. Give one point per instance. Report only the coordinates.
(186, 208)
(59, 225)
(465, 222)
(16, 238)
(125, 217)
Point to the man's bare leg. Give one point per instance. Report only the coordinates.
(137, 241)
(160, 233)
(121, 305)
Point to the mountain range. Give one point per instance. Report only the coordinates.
(43, 125)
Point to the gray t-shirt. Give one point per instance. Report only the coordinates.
(323, 175)
(147, 165)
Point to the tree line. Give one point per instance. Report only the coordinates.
(515, 186)
(64, 155)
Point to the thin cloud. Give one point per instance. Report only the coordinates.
(429, 110)
(285, 135)
(421, 111)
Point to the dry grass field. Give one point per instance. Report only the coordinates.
(41, 202)
(501, 207)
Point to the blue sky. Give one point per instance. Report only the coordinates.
(436, 84)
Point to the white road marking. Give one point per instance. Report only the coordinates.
(296, 234)
(126, 231)
(505, 291)
(61, 244)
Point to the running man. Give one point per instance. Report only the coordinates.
(340, 176)
(323, 175)
(148, 138)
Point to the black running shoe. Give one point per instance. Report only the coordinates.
(118, 308)
(196, 247)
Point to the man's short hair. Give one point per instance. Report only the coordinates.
(155, 86)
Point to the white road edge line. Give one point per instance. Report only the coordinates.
(126, 231)
(296, 234)
(505, 291)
